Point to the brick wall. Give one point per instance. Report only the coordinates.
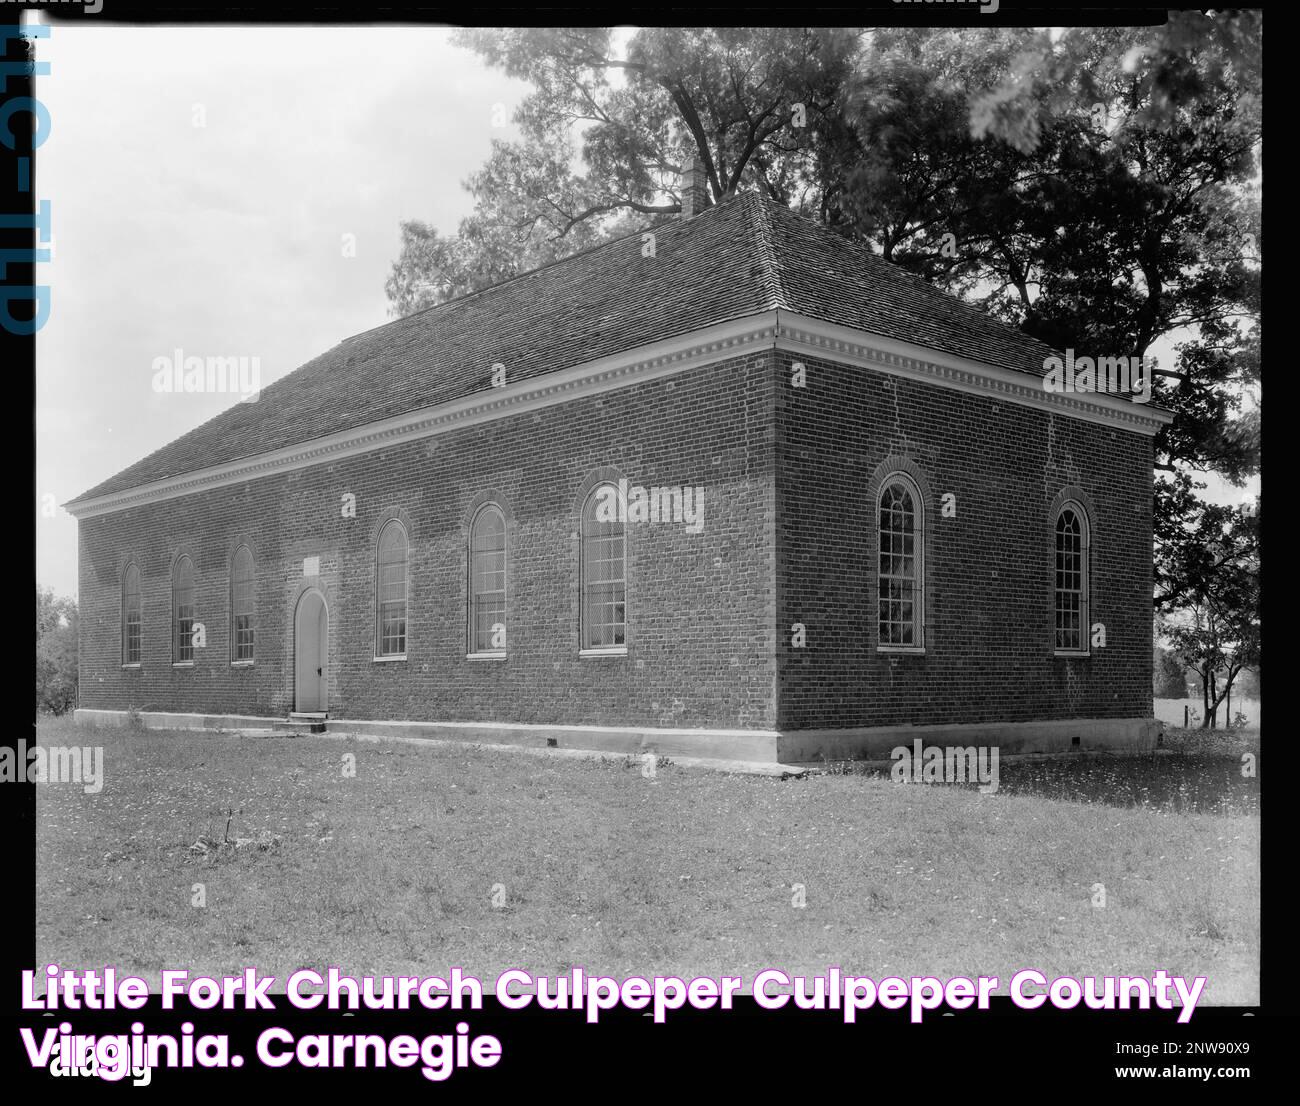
(789, 537)
(702, 607)
(989, 644)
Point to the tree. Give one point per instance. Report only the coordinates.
(1170, 679)
(758, 106)
(1098, 189)
(56, 652)
(1216, 632)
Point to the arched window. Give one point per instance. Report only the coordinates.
(183, 611)
(242, 605)
(1071, 600)
(131, 615)
(900, 571)
(487, 581)
(604, 571)
(390, 591)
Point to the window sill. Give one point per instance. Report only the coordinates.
(386, 660)
(241, 664)
(1072, 653)
(182, 664)
(485, 656)
(607, 651)
(904, 650)
(132, 664)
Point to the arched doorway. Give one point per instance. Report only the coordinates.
(311, 654)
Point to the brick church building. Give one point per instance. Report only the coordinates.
(738, 489)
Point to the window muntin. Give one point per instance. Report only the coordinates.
(242, 606)
(899, 570)
(183, 611)
(390, 591)
(604, 571)
(1071, 580)
(132, 615)
(487, 581)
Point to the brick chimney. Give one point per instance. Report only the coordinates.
(695, 188)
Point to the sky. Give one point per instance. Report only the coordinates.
(226, 238)
(232, 192)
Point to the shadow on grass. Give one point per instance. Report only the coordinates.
(1195, 771)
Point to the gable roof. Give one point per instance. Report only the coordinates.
(741, 257)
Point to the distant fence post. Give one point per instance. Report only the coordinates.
(1186, 716)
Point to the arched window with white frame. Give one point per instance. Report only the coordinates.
(487, 581)
(132, 620)
(242, 606)
(1071, 579)
(390, 590)
(900, 567)
(603, 571)
(183, 611)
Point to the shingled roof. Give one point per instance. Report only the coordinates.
(741, 257)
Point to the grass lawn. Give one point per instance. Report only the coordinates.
(394, 870)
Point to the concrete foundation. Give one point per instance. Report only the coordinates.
(759, 746)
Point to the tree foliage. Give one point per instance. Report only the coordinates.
(606, 133)
(56, 652)
(1170, 680)
(1214, 628)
